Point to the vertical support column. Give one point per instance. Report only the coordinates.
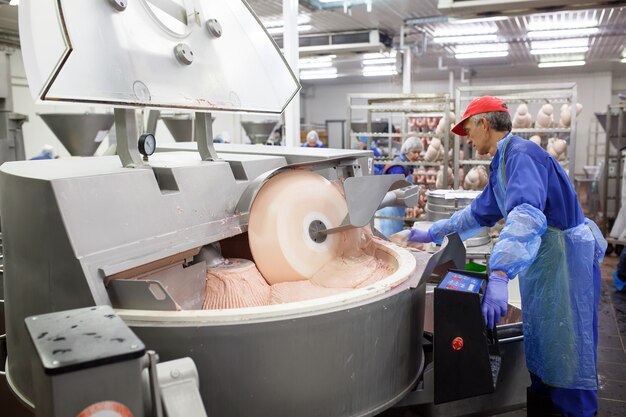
(203, 133)
(607, 153)
(6, 95)
(571, 151)
(446, 142)
(620, 167)
(406, 67)
(348, 135)
(291, 50)
(127, 133)
(153, 118)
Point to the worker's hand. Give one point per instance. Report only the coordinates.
(496, 298)
(420, 236)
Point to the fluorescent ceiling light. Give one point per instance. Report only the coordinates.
(281, 29)
(323, 61)
(463, 31)
(623, 60)
(561, 64)
(577, 50)
(560, 43)
(553, 24)
(466, 39)
(560, 58)
(475, 55)
(379, 61)
(14, 2)
(319, 74)
(562, 33)
(481, 47)
(476, 20)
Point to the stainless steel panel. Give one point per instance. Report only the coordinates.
(354, 362)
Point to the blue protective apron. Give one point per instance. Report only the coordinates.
(557, 292)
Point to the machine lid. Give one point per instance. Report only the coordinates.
(186, 54)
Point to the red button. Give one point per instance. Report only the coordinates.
(457, 343)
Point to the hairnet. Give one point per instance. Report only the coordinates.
(312, 135)
(410, 144)
(48, 150)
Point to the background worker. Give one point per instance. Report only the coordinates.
(361, 143)
(553, 249)
(47, 152)
(312, 140)
(411, 151)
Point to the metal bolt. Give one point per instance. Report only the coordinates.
(214, 27)
(175, 373)
(119, 5)
(183, 53)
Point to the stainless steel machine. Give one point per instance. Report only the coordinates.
(137, 232)
(80, 133)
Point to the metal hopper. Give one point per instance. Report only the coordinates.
(80, 133)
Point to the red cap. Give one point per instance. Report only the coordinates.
(484, 104)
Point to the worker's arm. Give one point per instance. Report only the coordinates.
(483, 211)
(526, 194)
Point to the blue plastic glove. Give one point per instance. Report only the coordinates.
(420, 236)
(496, 299)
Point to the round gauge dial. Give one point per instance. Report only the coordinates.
(147, 144)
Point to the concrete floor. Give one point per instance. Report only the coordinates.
(611, 351)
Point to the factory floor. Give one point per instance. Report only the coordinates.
(611, 351)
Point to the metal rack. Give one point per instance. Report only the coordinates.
(613, 123)
(404, 105)
(512, 94)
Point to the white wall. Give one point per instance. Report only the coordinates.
(619, 86)
(594, 92)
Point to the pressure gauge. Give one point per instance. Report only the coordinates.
(147, 144)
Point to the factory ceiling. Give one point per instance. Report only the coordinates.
(514, 36)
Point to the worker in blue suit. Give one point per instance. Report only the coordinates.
(549, 245)
(411, 151)
(47, 152)
(312, 140)
(619, 276)
(361, 141)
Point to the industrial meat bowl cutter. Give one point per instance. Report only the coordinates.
(74, 224)
(138, 232)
